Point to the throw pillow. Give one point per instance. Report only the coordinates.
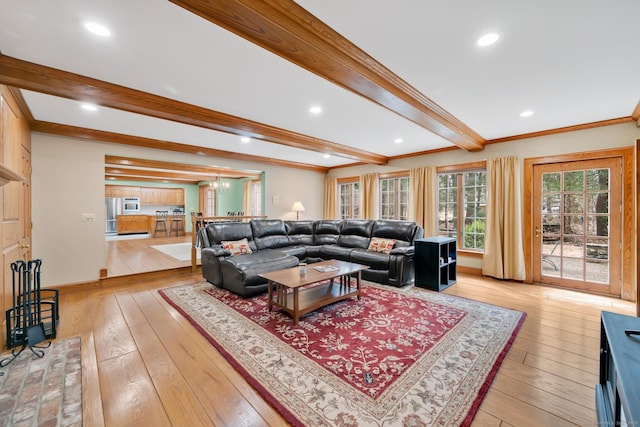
(379, 244)
(237, 247)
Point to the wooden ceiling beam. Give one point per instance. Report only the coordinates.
(288, 30)
(209, 171)
(39, 78)
(114, 180)
(160, 174)
(137, 141)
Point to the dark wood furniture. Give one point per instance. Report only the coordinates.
(435, 262)
(284, 286)
(618, 392)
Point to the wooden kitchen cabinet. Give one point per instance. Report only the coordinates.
(148, 195)
(129, 224)
(176, 196)
(121, 191)
(162, 196)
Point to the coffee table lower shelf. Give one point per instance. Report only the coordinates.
(298, 302)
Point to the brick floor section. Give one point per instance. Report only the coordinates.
(43, 391)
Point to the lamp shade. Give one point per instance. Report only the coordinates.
(297, 207)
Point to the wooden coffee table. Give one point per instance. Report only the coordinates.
(285, 293)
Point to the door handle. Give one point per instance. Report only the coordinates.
(24, 246)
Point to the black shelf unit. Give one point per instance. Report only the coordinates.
(618, 390)
(435, 262)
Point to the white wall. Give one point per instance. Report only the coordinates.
(68, 180)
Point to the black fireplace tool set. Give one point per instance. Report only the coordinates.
(34, 315)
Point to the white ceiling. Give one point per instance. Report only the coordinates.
(571, 62)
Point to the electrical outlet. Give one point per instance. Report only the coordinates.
(88, 217)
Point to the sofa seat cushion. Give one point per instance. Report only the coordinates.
(375, 260)
(335, 252)
(298, 251)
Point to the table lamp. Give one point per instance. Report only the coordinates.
(297, 206)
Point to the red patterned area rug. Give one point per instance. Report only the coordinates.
(396, 357)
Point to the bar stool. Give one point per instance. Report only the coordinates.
(161, 222)
(176, 220)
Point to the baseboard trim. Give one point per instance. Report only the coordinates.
(130, 279)
(470, 270)
(144, 277)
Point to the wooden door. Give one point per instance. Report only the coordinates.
(577, 218)
(207, 200)
(15, 196)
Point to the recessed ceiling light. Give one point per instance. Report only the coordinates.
(89, 107)
(97, 29)
(315, 109)
(326, 156)
(245, 139)
(488, 39)
(526, 113)
(398, 140)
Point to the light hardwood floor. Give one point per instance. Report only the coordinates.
(144, 364)
(134, 256)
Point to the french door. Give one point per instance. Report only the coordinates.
(577, 219)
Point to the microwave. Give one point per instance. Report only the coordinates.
(130, 205)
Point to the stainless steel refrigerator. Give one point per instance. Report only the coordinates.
(113, 207)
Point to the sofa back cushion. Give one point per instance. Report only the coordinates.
(300, 232)
(403, 232)
(355, 233)
(228, 231)
(326, 231)
(269, 233)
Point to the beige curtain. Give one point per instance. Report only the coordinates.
(330, 198)
(246, 197)
(503, 246)
(369, 195)
(422, 198)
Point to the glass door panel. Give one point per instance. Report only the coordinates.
(575, 244)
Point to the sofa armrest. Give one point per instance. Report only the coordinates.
(217, 251)
(401, 270)
(210, 259)
(403, 250)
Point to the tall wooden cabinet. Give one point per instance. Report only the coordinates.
(15, 194)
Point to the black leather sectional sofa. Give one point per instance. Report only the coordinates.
(276, 244)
